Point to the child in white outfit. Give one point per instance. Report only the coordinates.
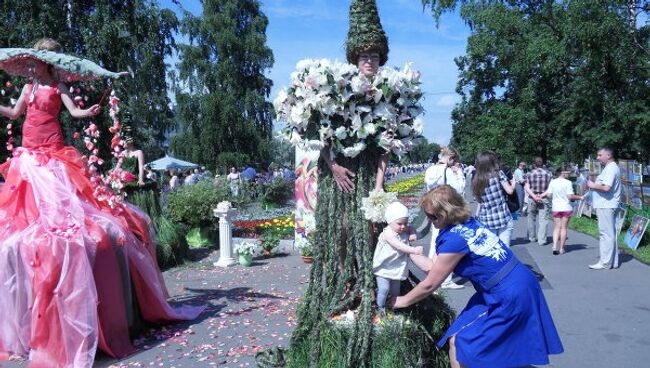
(391, 255)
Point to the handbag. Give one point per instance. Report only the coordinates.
(512, 200)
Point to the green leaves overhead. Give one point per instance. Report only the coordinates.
(556, 79)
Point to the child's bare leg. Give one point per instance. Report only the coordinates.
(557, 227)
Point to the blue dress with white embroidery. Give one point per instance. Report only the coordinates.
(507, 322)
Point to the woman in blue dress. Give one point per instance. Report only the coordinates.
(507, 322)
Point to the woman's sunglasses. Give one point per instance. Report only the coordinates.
(431, 216)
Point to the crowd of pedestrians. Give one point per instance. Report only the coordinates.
(539, 195)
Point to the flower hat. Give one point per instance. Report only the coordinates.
(365, 32)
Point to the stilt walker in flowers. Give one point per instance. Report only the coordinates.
(72, 255)
(357, 115)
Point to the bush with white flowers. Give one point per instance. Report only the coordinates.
(246, 248)
(331, 104)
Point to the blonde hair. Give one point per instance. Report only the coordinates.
(448, 205)
(48, 44)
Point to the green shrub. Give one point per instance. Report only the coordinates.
(270, 239)
(193, 205)
(277, 191)
(171, 244)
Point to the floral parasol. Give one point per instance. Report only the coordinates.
(67, 68)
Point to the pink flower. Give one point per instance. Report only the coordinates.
(10, 147)
(90, 146)
(76, 135)
(128, 177)
(9, 126)
(9, 132)
(8, 84)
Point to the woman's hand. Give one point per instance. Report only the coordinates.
(93, 110)
(342, 177)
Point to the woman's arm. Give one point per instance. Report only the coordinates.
(75, 111)
(12, 113)
(442, 267)
(140, 157)
(381, 172)
(508, 186)
(341, 174)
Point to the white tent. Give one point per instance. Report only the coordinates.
(169, 162)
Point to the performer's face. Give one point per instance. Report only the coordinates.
(368, 63)
(37, 68)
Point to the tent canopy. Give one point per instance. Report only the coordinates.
(168, 162)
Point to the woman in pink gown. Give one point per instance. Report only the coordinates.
(69, 263)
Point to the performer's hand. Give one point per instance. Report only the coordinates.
(140, 183)
(342, 178)
(94, 110)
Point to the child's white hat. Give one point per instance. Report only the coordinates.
(396, 211)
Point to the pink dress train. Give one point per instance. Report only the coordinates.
(69, 264)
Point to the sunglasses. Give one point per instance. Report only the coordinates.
(431, 216)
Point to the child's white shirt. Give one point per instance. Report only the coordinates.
(387, 261)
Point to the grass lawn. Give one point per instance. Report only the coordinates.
(589, 226)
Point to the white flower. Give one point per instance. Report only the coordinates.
(341, 133)
(374, 206)
(224, 206)
(246, 248)
(354, 150)
(418, 126)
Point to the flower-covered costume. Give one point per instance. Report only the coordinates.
(68, 261)
(507, 322)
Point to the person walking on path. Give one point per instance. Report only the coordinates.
(520, 180)
(440, 174)
(561, 189)
(537, 182)
(606, 197)
(489, 186)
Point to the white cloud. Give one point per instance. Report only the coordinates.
(447, 100)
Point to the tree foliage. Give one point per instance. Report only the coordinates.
(133, 35)
(221, 88)
(555, 79)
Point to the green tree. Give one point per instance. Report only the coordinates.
(221, 89)
(424, 152)
(555, 79)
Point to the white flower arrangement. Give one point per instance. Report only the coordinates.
(224, 206)
(374, 205)
(303, 243)
(330, 103)
(246, 248)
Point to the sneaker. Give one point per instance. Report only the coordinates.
(597, 266)
(451, 285)
(532, 240)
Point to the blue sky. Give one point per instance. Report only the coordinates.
(301, 29)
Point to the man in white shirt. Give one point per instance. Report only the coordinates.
(520, 181)
(438, 174)
(606, 197)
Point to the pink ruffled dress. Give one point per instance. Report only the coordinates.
(69, 263)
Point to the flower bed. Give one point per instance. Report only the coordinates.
(283, 227)
(414, 184)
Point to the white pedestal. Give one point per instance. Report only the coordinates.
(225, 237)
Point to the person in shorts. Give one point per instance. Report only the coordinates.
(561, 189)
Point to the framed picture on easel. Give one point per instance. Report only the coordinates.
(635, 232)
(619, 218)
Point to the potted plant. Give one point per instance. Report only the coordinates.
(245, 250)
(270, 240)
(304, 245)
